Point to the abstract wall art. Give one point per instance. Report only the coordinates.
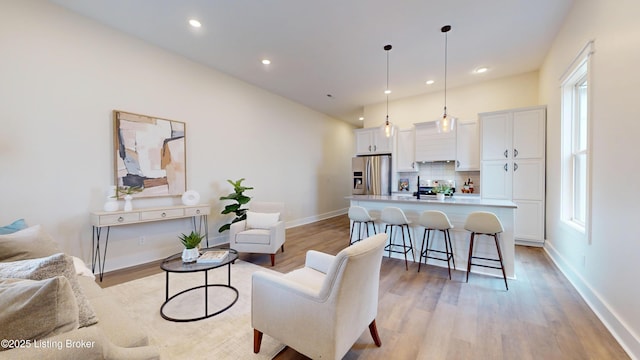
(150, 153)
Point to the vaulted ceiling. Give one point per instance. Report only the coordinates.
(328, 55)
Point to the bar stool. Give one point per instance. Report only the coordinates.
(484, 223)
(360, 215)
(436, 220)
(394, 217)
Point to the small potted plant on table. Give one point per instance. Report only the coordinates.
(191, 243)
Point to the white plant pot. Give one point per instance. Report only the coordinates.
(128, 205)
(190, 255)
(440, 197)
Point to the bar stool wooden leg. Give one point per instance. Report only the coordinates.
(470, 255)
(453, 258)
(413, 254)
(446, 247)
(422, 249)
(404, 246)
(495, 236)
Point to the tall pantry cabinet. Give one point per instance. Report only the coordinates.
(513, 166)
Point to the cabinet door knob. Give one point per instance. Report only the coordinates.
(375, 148)
(369, 147)
(515, 167)
(198, 211)
(163, 214)
(120, 219)
(506, 153)
(457, 163)
(515, 153)
(506, 167)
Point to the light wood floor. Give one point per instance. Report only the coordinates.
(427, 316)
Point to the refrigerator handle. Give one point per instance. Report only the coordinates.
(367, 176)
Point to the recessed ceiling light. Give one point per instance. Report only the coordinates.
(481, 70)
(430, 82)
(387, 91)
(195, 23)
(361, 118)
(266, 61)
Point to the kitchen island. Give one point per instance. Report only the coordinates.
(457, 209)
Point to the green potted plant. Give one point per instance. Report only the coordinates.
(441, 190)
(191, 242)
(236, 208)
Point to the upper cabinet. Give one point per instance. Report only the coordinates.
(430, 145)
(405, 151)
(371, 141)
(468, 146)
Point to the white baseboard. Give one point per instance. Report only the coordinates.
(312, 219)
(629, 341)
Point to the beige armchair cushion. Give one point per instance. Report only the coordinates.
(321, 309)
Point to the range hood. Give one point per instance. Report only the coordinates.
(431, 145)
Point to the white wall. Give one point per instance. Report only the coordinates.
(604, 271)
(62, 75)
(463, 102)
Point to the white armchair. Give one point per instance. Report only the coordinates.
(322, 309)
(262, 232)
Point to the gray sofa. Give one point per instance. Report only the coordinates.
(114, 335)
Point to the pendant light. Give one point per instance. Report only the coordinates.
(388, 129)
(446, 123)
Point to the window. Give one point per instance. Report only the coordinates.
(575, 142)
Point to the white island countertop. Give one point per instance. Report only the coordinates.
(449, 200)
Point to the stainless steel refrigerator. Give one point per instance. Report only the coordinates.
(371, 175)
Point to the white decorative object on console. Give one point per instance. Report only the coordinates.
(112, 202)
(190, 197)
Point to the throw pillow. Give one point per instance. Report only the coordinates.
(13, 227)
(35, 310)
(257, 220)
(29, 243)
(48, 267)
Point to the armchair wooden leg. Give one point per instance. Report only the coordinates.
(273, 259)
(374, 333)
(257, 341)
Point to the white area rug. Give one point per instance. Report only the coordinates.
(228, 335)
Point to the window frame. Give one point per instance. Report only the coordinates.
(577, 74)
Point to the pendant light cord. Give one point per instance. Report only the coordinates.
(445, 70)
(387, 48)
(387, 89)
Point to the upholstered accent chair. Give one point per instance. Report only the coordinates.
(262, 232)
(321, 309)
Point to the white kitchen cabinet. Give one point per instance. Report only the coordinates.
(467, 146)
(513, 166)
(372, 141)
(430, 145)
(405, 151)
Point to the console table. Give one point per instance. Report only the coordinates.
(107, 219)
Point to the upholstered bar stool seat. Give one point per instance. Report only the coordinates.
(394, 217)
(433, 220)
(484, 223)
(359, 215)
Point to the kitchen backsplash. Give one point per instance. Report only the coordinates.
(441, 171)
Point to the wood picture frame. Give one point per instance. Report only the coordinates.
(149, 153)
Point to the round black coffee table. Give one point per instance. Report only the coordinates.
(174, 264)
